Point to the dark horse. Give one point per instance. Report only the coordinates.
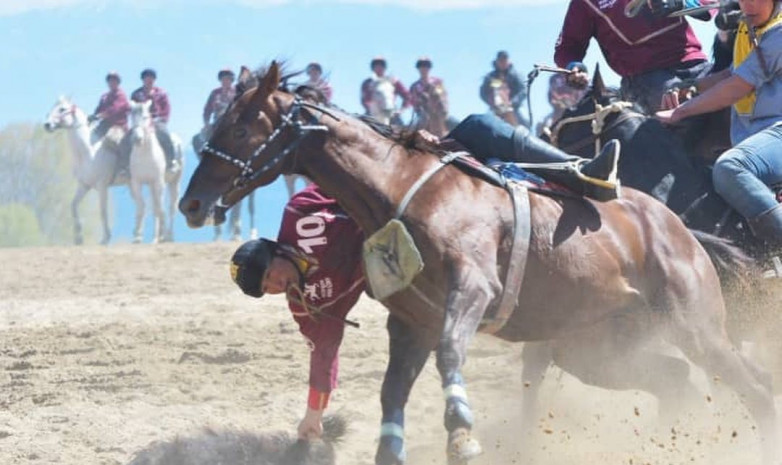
(672, 165)
(629, 263)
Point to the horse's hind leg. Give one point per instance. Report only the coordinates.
(406, 359)
(536, 357)
(613, 356)
(708, 346)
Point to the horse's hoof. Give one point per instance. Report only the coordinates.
(462, 447)
(137, 240)
(79, 241)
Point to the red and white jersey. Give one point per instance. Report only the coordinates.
(316, 229)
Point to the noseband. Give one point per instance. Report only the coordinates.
(291, 119)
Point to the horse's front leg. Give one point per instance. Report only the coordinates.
(407, 357)
(466, 305)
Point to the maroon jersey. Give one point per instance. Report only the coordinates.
(160, 106)
(219, 100)
(114, 107)
(316, 229)
(631, 46)
(323, 86)
(421, 90)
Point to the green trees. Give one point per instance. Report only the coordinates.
(36, 187)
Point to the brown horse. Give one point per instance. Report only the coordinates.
(627, 265)
(432, 113)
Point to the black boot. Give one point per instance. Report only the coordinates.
(768, 226)
(594, 178)
(600, 173)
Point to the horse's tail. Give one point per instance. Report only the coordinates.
(734, 267)
(334, 428)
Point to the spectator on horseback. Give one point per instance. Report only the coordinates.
(651, 53)
(425, 88)
(504, 75)
(379, 93)
(161, 110)
(488, 137)
(561, 96)
(316, 263)
(111, 113)
(220, 98)
(317, 81)
(753, 89)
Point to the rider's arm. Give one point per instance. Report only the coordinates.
(486, 90)
(707, 82)
(366, 94)
(722, 95)
(163, 107)
(576, 33)
(402, 92)
(208, 108)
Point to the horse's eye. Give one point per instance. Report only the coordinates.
(62, 110)
(240, 133)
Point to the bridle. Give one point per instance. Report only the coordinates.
(70, 110)
(598, 120)
(249, 173)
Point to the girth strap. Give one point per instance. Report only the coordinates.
(522, 230)
(444, 161)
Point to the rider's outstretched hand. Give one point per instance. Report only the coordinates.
(311, 426)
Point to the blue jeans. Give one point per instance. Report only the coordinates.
(743, 174)
(648, 88)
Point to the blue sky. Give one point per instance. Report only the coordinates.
(54, 47)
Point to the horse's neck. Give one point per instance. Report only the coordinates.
(149, 148)
(80, 139)
(361, 170)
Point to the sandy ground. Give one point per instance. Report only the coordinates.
(104, 350)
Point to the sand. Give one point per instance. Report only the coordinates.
(106, 349)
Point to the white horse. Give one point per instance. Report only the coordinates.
(382, 107)
(93, 165)
(148, 166)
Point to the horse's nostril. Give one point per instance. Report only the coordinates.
(193, 206)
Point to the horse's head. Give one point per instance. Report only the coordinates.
(63, 115)
(248, 148)
(140, 119)
(594, 116)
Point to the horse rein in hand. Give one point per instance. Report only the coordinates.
(598, 120)
(290, 119)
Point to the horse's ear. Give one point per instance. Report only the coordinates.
(598, 86)
(271, 81)
(245, 76)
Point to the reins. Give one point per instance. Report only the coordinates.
(291, 119)
(598, 120)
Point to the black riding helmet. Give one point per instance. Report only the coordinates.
(249, 264)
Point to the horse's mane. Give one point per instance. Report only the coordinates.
(400, 136)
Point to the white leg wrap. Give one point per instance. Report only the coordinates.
(392, 429)
(455, 391)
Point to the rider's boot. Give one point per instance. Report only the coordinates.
(173, 163)
(768, 226)
(596, 178)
